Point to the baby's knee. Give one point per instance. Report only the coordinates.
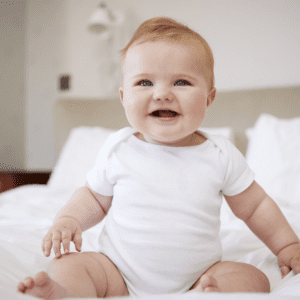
(239, 277)
(259, 280)
(262, 282)
(66, 261)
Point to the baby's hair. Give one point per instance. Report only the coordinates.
(163, 28)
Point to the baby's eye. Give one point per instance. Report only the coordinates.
(145, 83)
(182, 82)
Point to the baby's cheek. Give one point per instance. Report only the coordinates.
(197, 109)
(129, 99)
(134, 114)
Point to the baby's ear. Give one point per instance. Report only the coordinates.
(121, 94)
(211, 97)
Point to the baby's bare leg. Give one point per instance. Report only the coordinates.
(232, 277)
(78, 275)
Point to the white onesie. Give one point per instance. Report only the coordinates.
(162, 230)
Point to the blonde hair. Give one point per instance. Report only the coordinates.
(160, 28)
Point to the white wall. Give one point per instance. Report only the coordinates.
(12, 87)
(255, 44)
(45, 51)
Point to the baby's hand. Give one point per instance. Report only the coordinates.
(289, 258)
(63, 231)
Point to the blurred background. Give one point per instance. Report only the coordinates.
(47, 51)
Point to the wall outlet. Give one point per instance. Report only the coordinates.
(65, 82)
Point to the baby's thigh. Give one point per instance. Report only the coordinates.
(100, 269)
(237, 277)
(115, 283)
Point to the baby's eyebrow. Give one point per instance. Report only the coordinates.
(142, 75)
(187, 76)
(147, 75)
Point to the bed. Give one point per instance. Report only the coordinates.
(264, 125)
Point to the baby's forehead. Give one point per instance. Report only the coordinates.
(184, 41)
(155, 49)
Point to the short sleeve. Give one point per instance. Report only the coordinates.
(238, 175)
(97, 177)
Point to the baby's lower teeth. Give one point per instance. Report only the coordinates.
(166, 114)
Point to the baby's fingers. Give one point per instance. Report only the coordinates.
(295, 265)
(56, 240)
(77, 240)
(47, 244)
(284, 271)
(66, 238)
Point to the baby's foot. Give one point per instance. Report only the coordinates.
(207, 284)
(42, 286)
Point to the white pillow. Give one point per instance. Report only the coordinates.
(80, 151)
(78, 156)
(274, 155)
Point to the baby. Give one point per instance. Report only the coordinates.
(160, 185)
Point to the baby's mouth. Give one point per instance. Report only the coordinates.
(164, 113)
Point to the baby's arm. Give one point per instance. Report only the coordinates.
(84, 210)
(265, 219)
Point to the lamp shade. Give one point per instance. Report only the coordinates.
(101, 20)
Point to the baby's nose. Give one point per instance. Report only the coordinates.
(163, 93)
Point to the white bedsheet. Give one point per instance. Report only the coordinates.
(27, 212)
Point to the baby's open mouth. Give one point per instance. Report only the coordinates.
(164, 113)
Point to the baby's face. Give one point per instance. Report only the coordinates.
(164, 93)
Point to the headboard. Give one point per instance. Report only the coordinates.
(236, 109)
